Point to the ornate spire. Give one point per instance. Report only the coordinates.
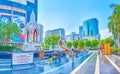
(32, 17)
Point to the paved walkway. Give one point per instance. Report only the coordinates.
(115, 59)
(94, 64)
(100, 64)
(89, 66)
(106, 67)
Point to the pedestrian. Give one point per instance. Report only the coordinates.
(98, 51)
(72, 53)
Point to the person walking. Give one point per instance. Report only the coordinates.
(72, 53)
(100, 50)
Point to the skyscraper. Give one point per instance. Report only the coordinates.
(91, 27)
(81, 32)
(73, 36)
(47, 33)
(41, 33)
(60, 32)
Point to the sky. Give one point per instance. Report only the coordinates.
(70, 14)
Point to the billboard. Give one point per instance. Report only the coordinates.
(20, 21)
(22, 58)
(5, 18)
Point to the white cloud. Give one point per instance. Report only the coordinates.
(105, 33)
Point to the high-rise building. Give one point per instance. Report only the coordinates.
(47, 33)
(72, 37)
(18, 11)
(91, 27)
(91, 30)
(60, 32)
(81, 32)
(41, 33)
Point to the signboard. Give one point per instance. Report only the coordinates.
(41, 54)
(20, 1)
(106, 49)
(22, 58)
(60, 43)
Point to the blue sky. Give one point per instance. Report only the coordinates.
(70, 14)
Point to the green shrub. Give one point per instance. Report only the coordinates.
(93, 49)
(8, 48)
(115, 50)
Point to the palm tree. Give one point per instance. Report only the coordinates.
(112, 28)
(114, 23)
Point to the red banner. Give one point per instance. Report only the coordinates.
(41, 54)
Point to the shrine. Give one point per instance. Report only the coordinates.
(31, 35)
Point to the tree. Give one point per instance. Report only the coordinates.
(7, 30)
(109, 40)
(12, 29)
(52, 40)
(101, 43)
(114, 23)
(1, 32)
(94, 43)
(80, 43)
(87, 43)
(43, 45)
(69, 44)
(75, 44)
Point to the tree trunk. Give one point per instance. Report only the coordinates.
(119, 40)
